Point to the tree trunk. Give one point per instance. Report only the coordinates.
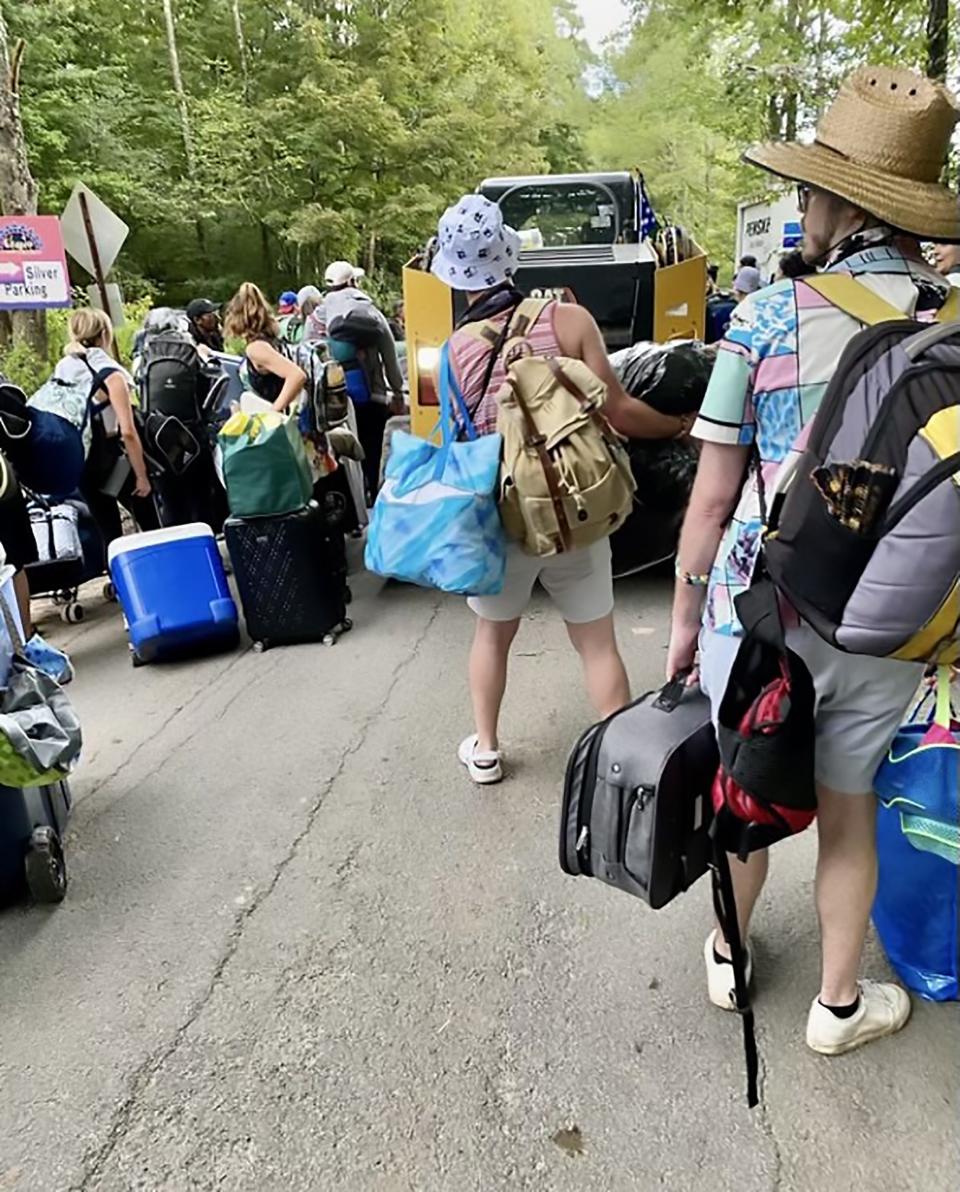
(18, 191)
(372, 253)
(178, 88)
(185, 131)
(241, 47)
(938, 38)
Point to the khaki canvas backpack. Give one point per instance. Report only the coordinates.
(565, 479)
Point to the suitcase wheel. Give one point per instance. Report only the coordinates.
(136, 661)
(329, 639)
(45, 867)
(109, 592)
(259, 647)
(72, 613)
(347, 625)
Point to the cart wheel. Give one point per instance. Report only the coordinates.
(329, 640)
(45, 868)
(72, 613)
(347, 594)
(109, 592)
(346, 625)
(259, 647)
(136, 661)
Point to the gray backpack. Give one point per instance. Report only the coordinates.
(637, 802)
(864, 540)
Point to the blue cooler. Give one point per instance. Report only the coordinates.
(173, 591)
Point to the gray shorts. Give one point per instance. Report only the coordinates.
(580, 584)
(861, 702)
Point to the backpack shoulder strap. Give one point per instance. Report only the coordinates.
(527, 315)
(950, 311)
(851, 296)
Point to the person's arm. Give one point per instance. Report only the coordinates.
(266, 359)
(727, 428)
(580, 337)
(119, 394)
(387, 347)
(720, 474)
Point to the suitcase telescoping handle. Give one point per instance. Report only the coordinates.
(671, 695)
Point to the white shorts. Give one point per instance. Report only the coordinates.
(860, 702)
(580, 584)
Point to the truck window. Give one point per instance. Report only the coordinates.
(567, 215)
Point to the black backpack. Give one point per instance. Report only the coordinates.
(361, 326)
(170, 377)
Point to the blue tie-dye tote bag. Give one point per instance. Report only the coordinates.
(435, 522)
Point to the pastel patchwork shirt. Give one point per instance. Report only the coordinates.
(772, 370)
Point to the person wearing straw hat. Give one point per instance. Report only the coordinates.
(869, 189)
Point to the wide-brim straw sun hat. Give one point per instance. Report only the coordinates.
(881, 145)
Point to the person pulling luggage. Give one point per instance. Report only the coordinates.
(870, 191)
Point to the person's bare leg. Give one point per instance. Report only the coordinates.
(606, 677)
(488, 677)
(748, 878)
(21, 585)
(846, 886)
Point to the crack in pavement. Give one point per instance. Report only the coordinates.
(162, 728)
(95, 1161)
(765, 1122)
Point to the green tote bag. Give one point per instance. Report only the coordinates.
(265, 465)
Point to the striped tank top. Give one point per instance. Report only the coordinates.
(470, 357)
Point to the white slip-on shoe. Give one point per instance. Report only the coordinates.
(884, 1009)
(720, 986)
(484, 768)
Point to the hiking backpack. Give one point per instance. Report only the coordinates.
(292, 329)
(565, 479)
(170, 376)
(359, 323)
(864, 536)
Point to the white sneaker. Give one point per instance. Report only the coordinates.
(884, 1010)
(720, 985)
(484, 768)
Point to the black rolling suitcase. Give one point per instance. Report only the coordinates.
(32, 824)
(637, 804)
(291, 574)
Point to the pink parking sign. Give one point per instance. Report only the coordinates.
(33, 265)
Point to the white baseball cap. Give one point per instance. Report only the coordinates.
(342, 273)
(478, 251)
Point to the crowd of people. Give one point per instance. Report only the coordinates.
(870, 197)
(125, 470)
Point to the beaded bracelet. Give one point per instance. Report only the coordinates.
(692, 581)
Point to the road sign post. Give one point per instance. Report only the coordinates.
(93, 236)
(94, 252)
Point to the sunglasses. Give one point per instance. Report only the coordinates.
(804, 194)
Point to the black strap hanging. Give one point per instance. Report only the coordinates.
(726, 911)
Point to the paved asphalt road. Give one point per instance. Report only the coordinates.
(299, 951)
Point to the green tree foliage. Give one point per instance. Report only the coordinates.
(696, 82)
(322, 128)
(341, 128)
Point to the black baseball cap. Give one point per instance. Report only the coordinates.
(200, 307)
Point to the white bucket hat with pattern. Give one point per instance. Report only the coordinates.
(477, 250)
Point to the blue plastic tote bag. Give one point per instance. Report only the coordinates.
(917, 911)
(435, 522)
